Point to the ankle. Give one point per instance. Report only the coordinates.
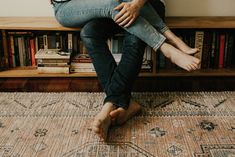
(164, 48)
(108, 106)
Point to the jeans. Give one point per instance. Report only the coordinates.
(116, 80)
(76, 13)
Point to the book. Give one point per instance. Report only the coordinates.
(33, 51)
(147, 63)
(212, 52)
(52, 54)
(53, 70)
(45, 41)
(82, 70)
(45, 61)
(217, 47)
(81, 65)
(12, 62)
(231, 51)
(5, 49)
(70, 42)
(1, 53)
(221, 50)
(22, 57)
(226, 50)
(52, 65)
(199, 36)
(207, 41)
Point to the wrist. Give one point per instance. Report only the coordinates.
(139, 3)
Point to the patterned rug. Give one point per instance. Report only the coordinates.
(172, 124)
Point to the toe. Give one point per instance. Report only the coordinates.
(114, 114)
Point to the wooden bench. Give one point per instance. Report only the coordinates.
(49, 23)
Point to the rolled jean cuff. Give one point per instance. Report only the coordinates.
(159, 43)
(164, 29)
(117, 102)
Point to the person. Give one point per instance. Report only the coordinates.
(116, 80)
(148, 26)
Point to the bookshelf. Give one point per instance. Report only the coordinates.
(50, 24)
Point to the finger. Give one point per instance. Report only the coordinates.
(130, 22)
(124, 22)
(120, 14)
(119, 7)
(122, 18)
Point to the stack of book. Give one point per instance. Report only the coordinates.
(52, 61)
(81, 63)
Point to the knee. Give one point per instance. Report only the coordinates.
(94, 29)
(87, 31)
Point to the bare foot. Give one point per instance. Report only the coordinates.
(180, 44)
(120, 116)
(181, 59)
(102, 121)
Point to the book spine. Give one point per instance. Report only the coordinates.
(82, 65)
(53, 65)
(58, 41)
(212, 53)
(217, 45)
(45, 41)
(1, 54)
(16, 47)
(81, 70)
(221, 51)
(226, 50)
(199, 36)
(51, 39)
(11, 52)
(231, 49)
(46, 61)
(70, 42)
(75, 43)
(33, 51)
(206, 50)
(53, 70)
(21, 50)
(27, 51)
(5, 49)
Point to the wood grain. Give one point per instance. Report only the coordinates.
(49, 23)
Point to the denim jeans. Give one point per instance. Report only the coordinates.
(116, 80)
(76, 13)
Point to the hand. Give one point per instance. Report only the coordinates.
(128, 12)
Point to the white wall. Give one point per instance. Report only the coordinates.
(200, 7)
(174, 8)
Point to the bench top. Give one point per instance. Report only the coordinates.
(49, 23)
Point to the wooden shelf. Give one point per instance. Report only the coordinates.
(30, 72)
(49, 23)
(32, 23)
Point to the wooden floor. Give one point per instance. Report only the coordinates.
(91, 84)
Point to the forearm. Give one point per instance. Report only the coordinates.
(139, 3)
